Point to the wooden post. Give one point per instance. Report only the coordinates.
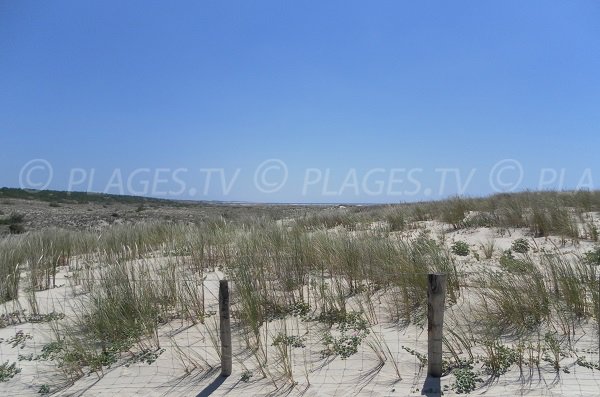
(225, 328)
(436, 294)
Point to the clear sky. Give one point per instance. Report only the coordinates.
(312, 101)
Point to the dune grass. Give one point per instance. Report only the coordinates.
(326, 268)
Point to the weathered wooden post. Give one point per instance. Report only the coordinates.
(436, 294)
(225, 328)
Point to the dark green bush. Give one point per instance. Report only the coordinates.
(592, 257)
(13, 218)
(8, 371)
(460, 248)
(520, 245)
(16, 228)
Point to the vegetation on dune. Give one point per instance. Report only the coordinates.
(329, 268)
(55, 197)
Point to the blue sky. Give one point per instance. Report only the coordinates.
(339, 101)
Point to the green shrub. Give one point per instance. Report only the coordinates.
(520, 245)
(509, 263)
(289, 340)
(460, 248)
(466, 380)
(592, 257)
(20, 339)
(14, 222)
(346, 336)
(13, 218)
(8, 371)
(16, 217)
(16, 228)
(499, 358)
(246, 375)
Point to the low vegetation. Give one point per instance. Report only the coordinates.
(338, 270)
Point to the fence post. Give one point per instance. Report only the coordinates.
(436, 294)
(225, 328)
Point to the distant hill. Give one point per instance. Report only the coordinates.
(55, 196)
(28, 210)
